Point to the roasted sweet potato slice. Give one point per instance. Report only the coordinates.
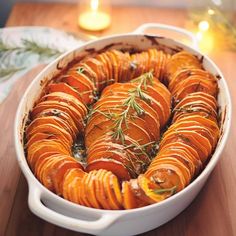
(197, 97)
(209, 124)
(161, 159)
(153, 191)
(181, 60)
(65, 88)
(71, 184)
(54, 120)
(107, 183)
(45, 171)
(39, 137)
(62, 115)
(98, 68)
(83, 195)
(162, 108)
(89, 189)
(188, 150)
(166, 176)
(44, 146)
(179, 155)
(140, 198)
(100, 189)
(66, 98)
(194, 126)
(60, 133)
(61, 170)
(195, 86)
(190, 138)
(129, 200)
(70, 110)
(111, 155)
(184, 74)
(115, 167)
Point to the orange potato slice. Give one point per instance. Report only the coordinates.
(129, 200)
(90, 191)
(44, 146)
(65, 88)
(153, 191)
(62, 115)
(115, 167)
(67, 98)
(100, 189)
(107, 183)
(70, 110)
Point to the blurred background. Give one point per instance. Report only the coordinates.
(6, 5)
(207, 19)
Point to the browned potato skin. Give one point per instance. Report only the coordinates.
(114, 177)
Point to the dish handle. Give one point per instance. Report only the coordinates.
(103, 221)
(142, 28)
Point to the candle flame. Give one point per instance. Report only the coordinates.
(94, 5)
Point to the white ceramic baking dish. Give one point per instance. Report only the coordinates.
(59, 211)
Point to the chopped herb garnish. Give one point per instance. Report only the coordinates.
(80, 70)
(165, 190)
(132, 103)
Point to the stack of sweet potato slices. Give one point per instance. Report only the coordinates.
(122, 128)
(139, 110)
(192, 137)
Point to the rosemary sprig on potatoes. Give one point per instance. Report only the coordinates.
(132, 103)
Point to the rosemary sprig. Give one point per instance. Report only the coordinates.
(33, 47)
(131, 103)
(139, 149)
(109, 115)
(28, 46)
(7, 72)
(80, 70)
(8, 52)
(171, 190)
(6, 48)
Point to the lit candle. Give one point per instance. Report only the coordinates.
(94, 18)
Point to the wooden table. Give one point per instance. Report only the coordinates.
(213, 212)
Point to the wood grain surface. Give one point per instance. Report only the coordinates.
(212, 213)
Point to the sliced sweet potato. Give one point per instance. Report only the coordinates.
(153, 191)
(107, 183)
(71, 163)
(181, 60)
(39, 137)
(65, 88)
(50, 120)
(100, 189)
(161, 159)
(44, 146)
(60, 133)
(66, 98)
(181, 156)
(111, 165)
(62, 115)
(129, 200)
(72, 183)
(167, 176)
(90, 191)
(70, 110)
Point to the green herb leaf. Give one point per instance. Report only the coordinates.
(132, 103)
(80, 70)
(6, 73)
(164, 190)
